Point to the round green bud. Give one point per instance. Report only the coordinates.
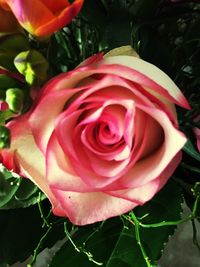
(15, 99)
(33, 66)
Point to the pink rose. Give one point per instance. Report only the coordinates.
(197, 132)
(102, 139)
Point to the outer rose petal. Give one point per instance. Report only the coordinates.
(87, 208)
(46, 17)
(166, 92)
(25, 154)
(59, 167)
(43, 128)
(7, 158)
(145, 192)
(157, 79)
(101, 207)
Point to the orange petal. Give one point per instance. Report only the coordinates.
(8, 22)
(42, 17)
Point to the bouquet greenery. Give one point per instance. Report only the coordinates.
(99, 129)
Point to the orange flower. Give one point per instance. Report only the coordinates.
(8, 22)
(43, 17)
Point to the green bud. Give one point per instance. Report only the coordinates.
(4, 137)
(15, 99)
(33, 66)
(10, 46)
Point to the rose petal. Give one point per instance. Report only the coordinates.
(47, 111)
(26, 153)
(146, 74)
(87, 208)
(152, 166)
(145, 192)
(60, 173)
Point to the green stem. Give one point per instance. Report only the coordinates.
(194, 210)
(69, 236)
(45, 222)
(137, 234)
(80, 249)
(164, 223)
(38, 247)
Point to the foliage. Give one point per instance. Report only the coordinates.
(163, 33)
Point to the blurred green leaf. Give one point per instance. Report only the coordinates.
(10, 46)
(7, 82)
(190, 150)
(17, 192)
(95, 12)
(145, 9)
(149, 39)
(8, 188)
(118, 29)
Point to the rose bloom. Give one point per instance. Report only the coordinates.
(42, 17)
(8, 22)
(101, 139)
(197, 132)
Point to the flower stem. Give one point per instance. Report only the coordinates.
(80, 249)
(133, 220)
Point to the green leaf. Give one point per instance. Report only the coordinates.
(190, 150)
(118, 28)
(165, 206)
(148, 38)
(145, 9)
(97, 239)
(10, 46)
(126, 251)
(114, 244)
(25, 196)
(17, 192)
(7, 82)
(8, 188)
(95, 12)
